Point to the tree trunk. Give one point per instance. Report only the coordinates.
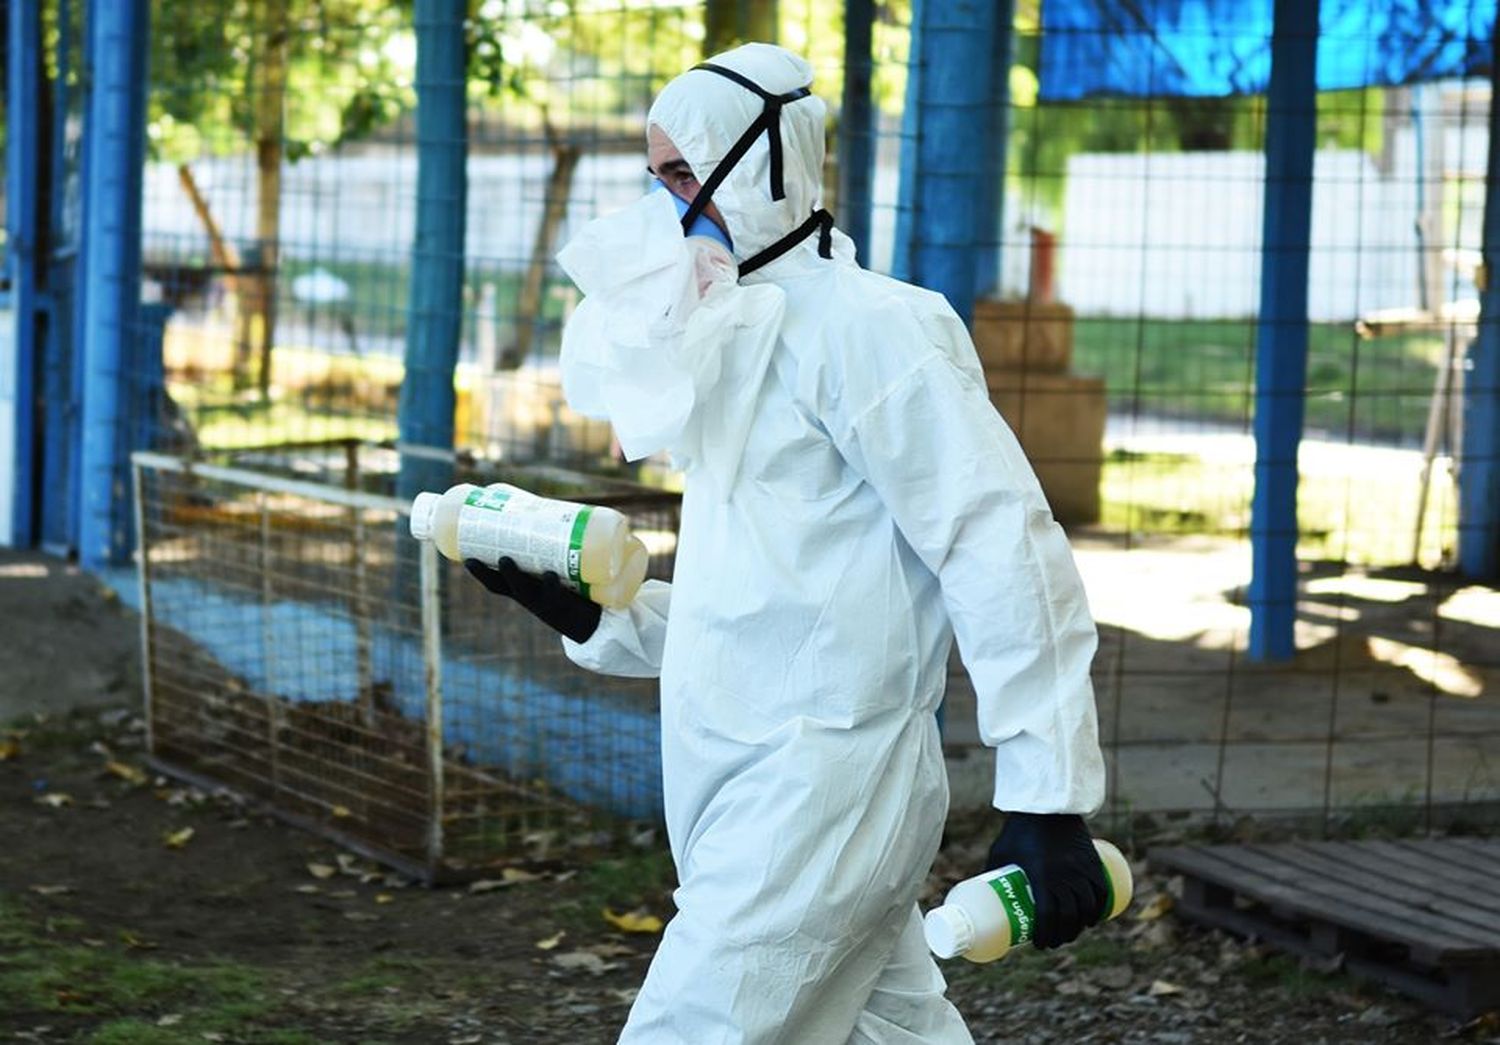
(731, 22)
(269, 123)
(565, 159)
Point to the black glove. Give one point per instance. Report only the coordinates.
(561, 609)
(1063, 867)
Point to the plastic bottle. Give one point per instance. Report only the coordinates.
(591, 549)
(985, 916)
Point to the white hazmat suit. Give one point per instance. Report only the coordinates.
(853, 502)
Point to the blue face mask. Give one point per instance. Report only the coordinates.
(702, 225)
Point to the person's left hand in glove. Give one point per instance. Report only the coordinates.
(1067, 878)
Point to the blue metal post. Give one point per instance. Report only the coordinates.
(946, 213)
(987, 280)
(857, 128)
(1281, 341)
(434, 319)
(1479, 457)
(111, 251)
(22, 156)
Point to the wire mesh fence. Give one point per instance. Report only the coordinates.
(303, 650)
(1119, 339)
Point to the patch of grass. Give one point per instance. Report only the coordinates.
(127, 990)
(1206, 369)
(1288, 975)
(628, 881)
(1359, 517)
(1090, 950)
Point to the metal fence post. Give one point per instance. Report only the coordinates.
(946, 213)
(116, 128)
(432, 656)
(857, 127)
(435, 318)
(18, 362)
(1479, 457)
(1281, 342)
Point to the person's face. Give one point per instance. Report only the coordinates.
(667, 164)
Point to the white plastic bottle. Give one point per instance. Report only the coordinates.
(590, 548)
(985, 916)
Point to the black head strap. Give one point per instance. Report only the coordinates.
(768, 121)
(820, 221)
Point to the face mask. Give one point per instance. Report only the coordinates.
(702, 225)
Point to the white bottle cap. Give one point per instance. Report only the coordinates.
(424, 515)
(948, 930)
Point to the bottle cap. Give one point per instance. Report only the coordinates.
(948, 930)
(424, 515)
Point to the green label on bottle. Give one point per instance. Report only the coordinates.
(1015, 896)
(575, 549)
(495, 500)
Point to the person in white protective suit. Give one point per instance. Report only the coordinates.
(853, 502)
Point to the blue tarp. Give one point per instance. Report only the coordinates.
(1214, 48)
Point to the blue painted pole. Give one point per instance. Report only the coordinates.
(1281, 341)
(987, 280)
(111, 255)
(857, 128)
(946, 215)
(22, 159)
(435, 314)
(1479, 457)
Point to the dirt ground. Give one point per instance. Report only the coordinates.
(135, 910)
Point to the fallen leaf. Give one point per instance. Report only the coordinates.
(10, 748)
(340, 812)
(609, 949)
(309, 889)
(485, 885)
(551, 941)
(633, 921)
(359, 916)
(210, 1035)
(321, 871)
(171, 1019)
(348, 864)
(384, 898)
(132, 775)
(1162, 987)
(625, 995)
(583, 960)
(1114, 977)
(514, 875)
(55, 799)
(1162, 904)
(52, 890)
(135, 941)
(178, 839)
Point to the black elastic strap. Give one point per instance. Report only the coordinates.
(820, 221)
(768, 121)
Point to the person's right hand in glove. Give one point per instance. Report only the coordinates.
(1063, 868)
(561, 609)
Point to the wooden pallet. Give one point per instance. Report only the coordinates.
(1420, 916)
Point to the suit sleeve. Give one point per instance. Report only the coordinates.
(629, 641)
(925, 436)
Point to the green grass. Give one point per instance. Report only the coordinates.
(127, 991)
(1206, 369)
(1359, 518)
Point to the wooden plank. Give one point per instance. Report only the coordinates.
(1434, 991)
(1462, 856)
(1433, 934)
(1368, 877)
(1437, 874)
(1487, 849)
(1375, 920)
